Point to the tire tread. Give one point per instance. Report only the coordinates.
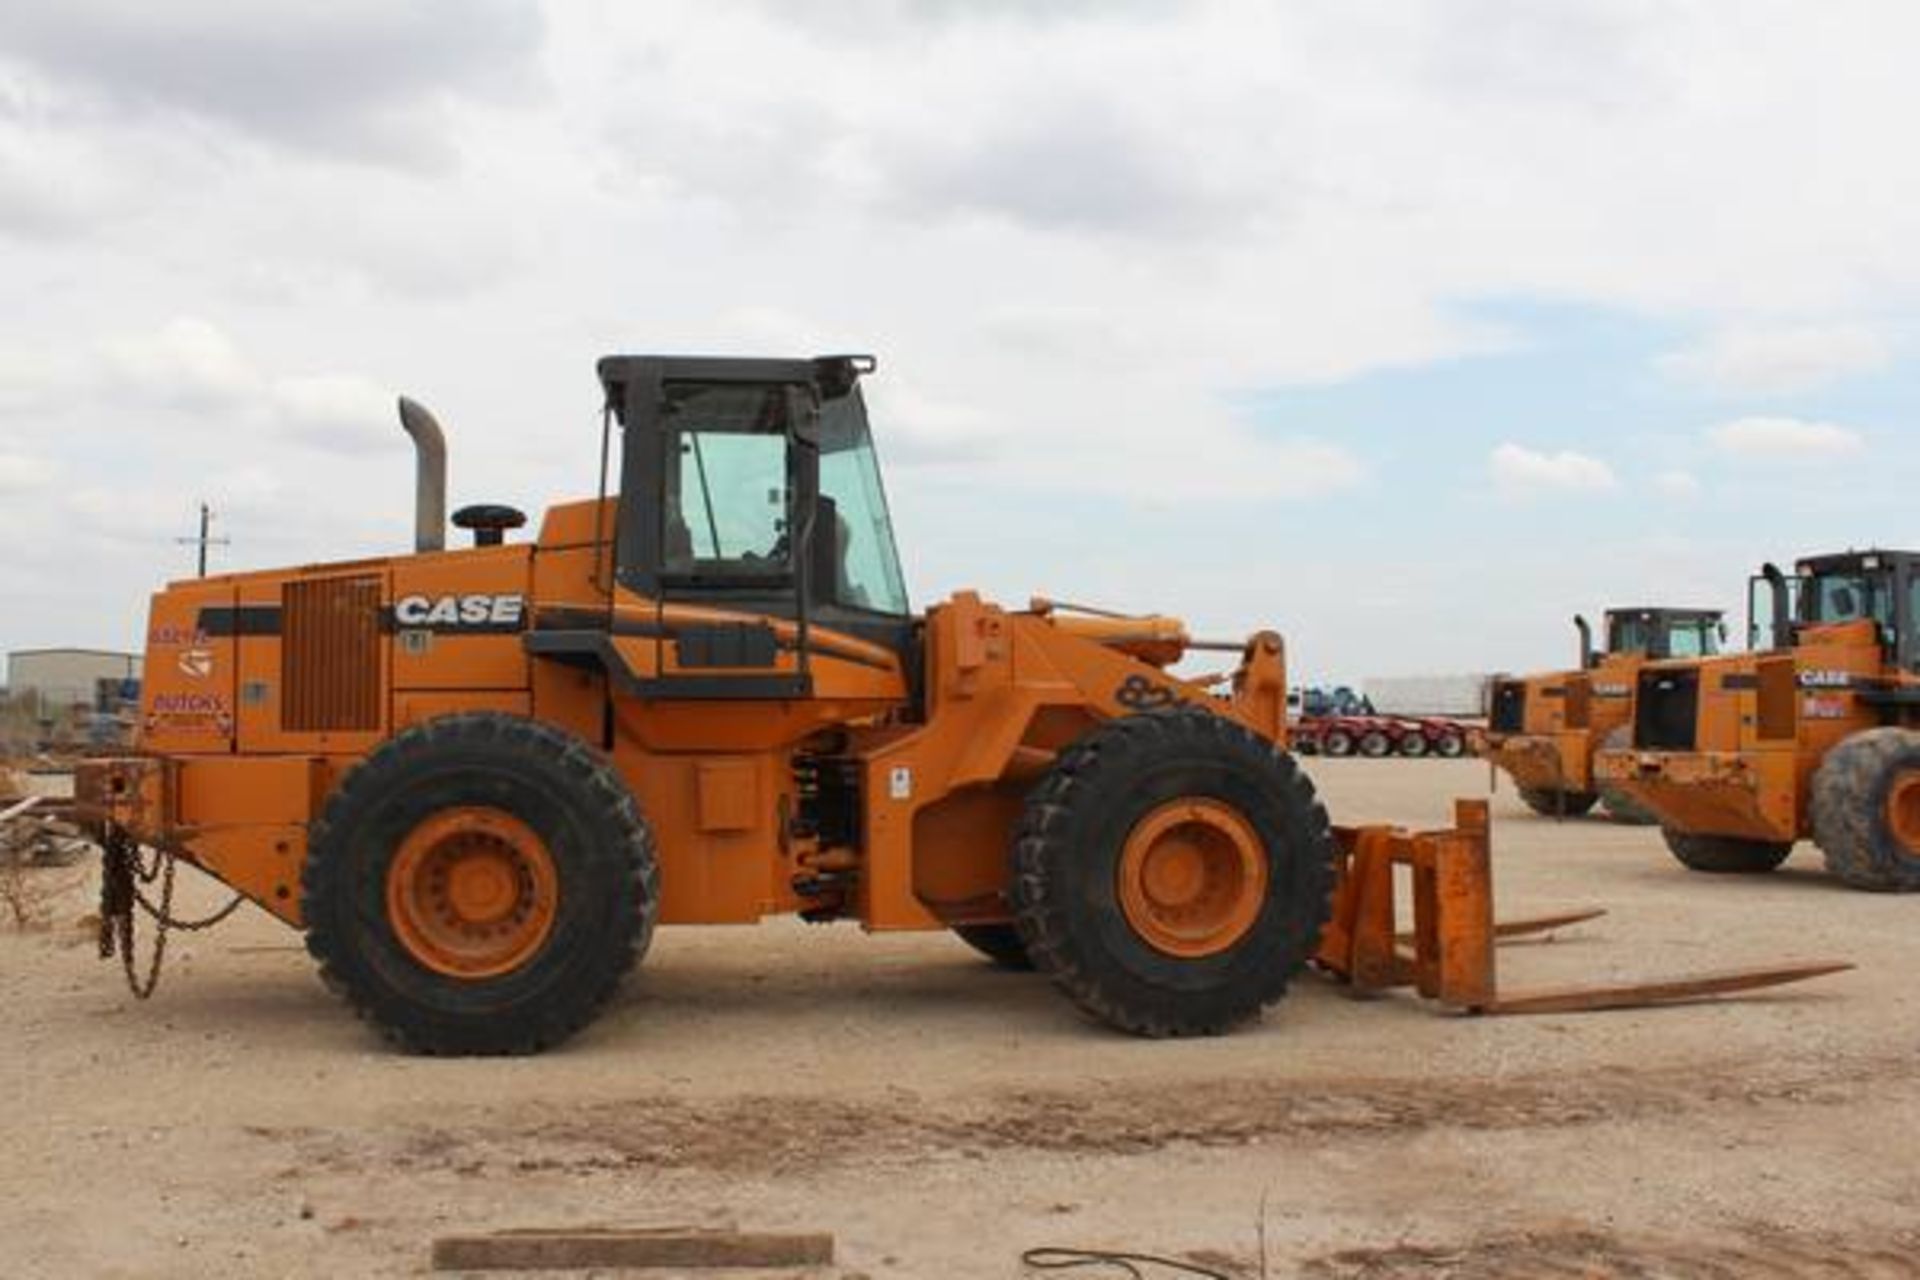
(607, 800)
(1848, 821)
(1044, 847)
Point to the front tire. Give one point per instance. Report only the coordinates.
(1172, 873)
(1726, 855)
(1866, 810)
(480, 884)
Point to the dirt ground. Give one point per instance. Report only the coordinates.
(940, 1116)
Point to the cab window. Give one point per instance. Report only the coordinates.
(728, 488)
(1685, 642)
(1849, 597)
(1697, 638)
(1630, 635)
(853, 513)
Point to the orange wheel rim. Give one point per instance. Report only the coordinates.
(472, 892)
(1193, 877)
(1903, 809)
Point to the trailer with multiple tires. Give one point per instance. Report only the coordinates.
(1377, 736)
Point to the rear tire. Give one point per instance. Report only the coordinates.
(1337, 743)
(1866, 810)
(1549, 803)
(1726, 855)
(1450, 746)
(1374, 744)
(1620, 806)
(1413, 744)
(412, 939)
(1172, 873)
(999, 943)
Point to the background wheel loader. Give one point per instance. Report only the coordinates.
(1544, 730)
(1814, 733)
(479, 778)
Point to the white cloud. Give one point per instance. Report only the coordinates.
(358, 77)
(1677, 484)
(929, 430)
(344, 413)
(188, 362)
(1777, 361)
(20, 473)
(1786, 439)
(122, 513)
(51, 184)
(192, 365)
(27, 378)
(249, 487)
(1521, 472)
(1224, 464)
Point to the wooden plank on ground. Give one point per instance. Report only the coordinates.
(678, 1247)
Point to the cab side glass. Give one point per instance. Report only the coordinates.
(1686, 641)
(725, 514)
(732, 500)
(853, 513)
(1630, 635)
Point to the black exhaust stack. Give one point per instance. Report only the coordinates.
(1586, 642)
(1782, 613)
(430, 476)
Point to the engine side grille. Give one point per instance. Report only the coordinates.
(1579, 703)
(1665, 710)
(1508, 714)
(330, 655)
(1777, 694)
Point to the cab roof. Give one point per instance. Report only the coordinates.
(834, 375)
(1665, 611)
(1842, 561)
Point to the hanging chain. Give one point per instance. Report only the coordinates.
(122, 872)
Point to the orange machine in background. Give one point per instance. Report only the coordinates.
(1544, 730)
(1816, 732)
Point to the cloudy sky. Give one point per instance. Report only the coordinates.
(1408, 328)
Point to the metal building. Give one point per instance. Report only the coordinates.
(60, 679)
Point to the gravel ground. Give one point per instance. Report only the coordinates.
(940, 1116)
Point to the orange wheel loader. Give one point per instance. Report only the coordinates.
(1816, 732)
(479, 778)
(1544, 730)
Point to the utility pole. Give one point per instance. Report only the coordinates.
(203, 540)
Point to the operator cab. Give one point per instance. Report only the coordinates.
(752, 485)
(1882, 587)
(1654, 633)
(1665, 633)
